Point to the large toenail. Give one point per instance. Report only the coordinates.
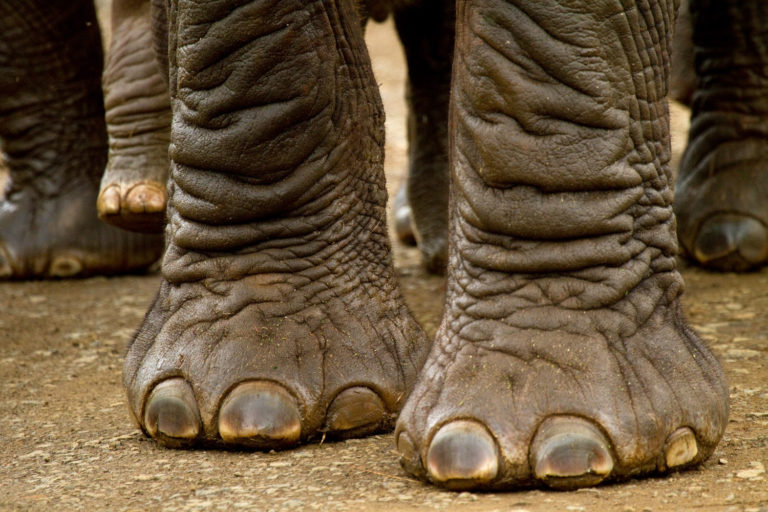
(260, 414)
(354, 412)
(108, 202)
(726, 235)
(568, 452)
(171, 414)
(462, 455)
(146, 198)
(65, 266)
(681, 448)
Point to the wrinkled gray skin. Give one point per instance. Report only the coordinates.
(562, 359)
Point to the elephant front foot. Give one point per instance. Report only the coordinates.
(61, 237)
(561, 398)
(270, 360)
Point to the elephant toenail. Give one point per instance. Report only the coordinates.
(65, 266)
(681, 448)
(260, 414)
(568, 452)
(171, 414)
(725, 237)
(462, 455)
(146, 198)
(355, 412)
(109, 201)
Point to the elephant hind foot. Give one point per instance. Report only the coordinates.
(731, 243)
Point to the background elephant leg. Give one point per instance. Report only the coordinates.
(53, 136)
(562, 358)
(682, 80)
(133, 190)
(279, 319)
(427, 33)
(721, 196)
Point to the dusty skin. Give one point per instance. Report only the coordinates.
(66, 440)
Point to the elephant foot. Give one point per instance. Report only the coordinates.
(61, 237)
(503, 403)
(722, 217)
(267, 361)
(137, 206)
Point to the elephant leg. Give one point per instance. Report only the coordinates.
(421, 212)
(53, 136)
(563, 357)
(133, 189)
(721, 195)
(279, 318)
(682, 80)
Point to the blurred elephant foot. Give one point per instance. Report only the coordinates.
(722, 185)
(61, 237)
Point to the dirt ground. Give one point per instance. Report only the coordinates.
(66, 441)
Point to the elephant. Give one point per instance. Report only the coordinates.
(563, 358)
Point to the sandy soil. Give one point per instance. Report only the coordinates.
(66, 442)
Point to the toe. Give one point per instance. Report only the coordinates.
(462, 455)
(569, 452)
(146, 198)
(65, 266)
(731, 242)
(681, 448)
(260, 415)
(108, 202)
(171, 414)
(355, 412)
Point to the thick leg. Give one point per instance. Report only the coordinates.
(427, 33)
(563, 357)
(133, 189)
(682, 82)
(722, 186)
(52, 132)
(279, 318)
